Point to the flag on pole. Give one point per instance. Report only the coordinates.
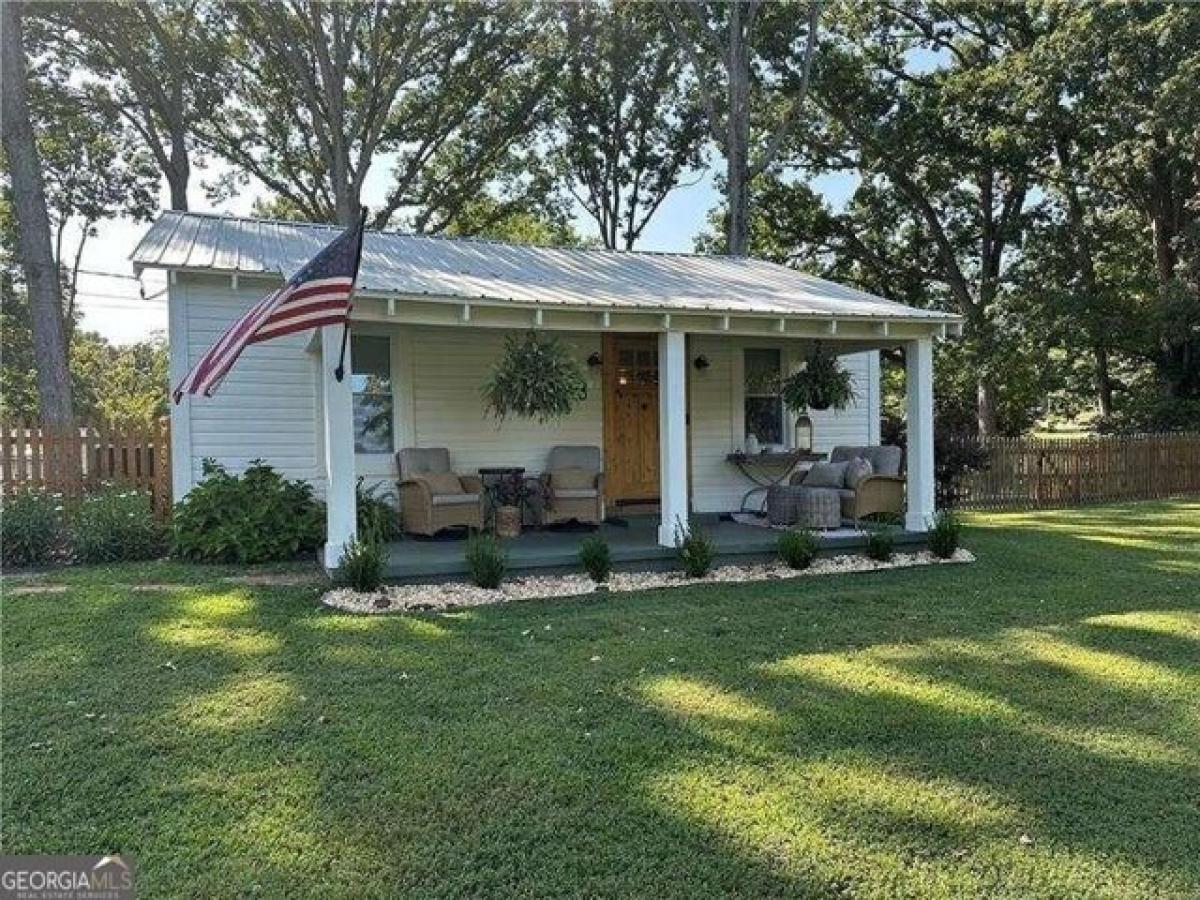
(317, 295)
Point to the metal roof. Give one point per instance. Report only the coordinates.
(473, 269)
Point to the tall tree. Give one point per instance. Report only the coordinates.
(1141, 111)
(322, 91)
(94, 169)
(627, 127)
(156, 63)
(33, 224)
(752, 63)
(944, 192)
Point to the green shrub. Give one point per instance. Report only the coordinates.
(798, 549)
(695, 549)
(377, 516)
(258, 516)
(596, 558)
(363, 564)
(881, 542)
(31, 528)
(116, 525)
(486, 562)
(943, 535)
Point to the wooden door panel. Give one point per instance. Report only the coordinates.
(631, 417)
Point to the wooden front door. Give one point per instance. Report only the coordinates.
(631, 417)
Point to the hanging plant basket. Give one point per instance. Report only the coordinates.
(536, 378)
(819, 383)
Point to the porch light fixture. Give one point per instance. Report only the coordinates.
(594, 360)
(701, 363)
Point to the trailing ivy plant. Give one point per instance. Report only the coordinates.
(536, 378)
(819, 382)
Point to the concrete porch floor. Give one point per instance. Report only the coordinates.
(634, 545)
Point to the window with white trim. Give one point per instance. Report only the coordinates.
(371, 382)
(763, 404)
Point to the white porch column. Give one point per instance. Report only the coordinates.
(338, 433)
(672, 434)
(918, 359)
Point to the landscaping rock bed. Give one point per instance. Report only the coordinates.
(452, 595)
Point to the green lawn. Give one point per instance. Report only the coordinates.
(1028, 726)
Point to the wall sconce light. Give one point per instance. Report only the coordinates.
(594, 360)
(701, 363)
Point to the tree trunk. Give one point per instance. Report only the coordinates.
(180, 170)
(985, 407)
(738, 137)
(1104, 392)
(33, 227)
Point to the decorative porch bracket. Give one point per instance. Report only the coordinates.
(672, 431)
(918, 357)
(338, 433)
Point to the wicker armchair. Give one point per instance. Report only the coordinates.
(432, 496)
(881, 492)
(573, 485)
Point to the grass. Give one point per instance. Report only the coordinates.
(1025, 727)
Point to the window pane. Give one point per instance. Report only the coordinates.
(371, 382)
(764, 419)
(762, 370)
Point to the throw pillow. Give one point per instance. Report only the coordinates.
(826, 475)
(856, 470)
(572, 478)
(441, 482)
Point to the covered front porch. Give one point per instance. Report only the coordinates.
(697, 422)
(668, 344)
(633, 541)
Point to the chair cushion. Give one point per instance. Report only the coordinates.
(884, 459)
(575, 457)
(459, 499)
(574, 493)
(856, 470)
(441, 483)
(419, 460)
(571, 478)
(826, 475)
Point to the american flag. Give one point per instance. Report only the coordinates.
(317, 295)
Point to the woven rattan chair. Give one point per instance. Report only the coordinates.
(573, 485)
(432, 496)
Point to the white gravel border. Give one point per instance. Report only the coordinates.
(457, 594)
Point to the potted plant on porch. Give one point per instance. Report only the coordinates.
(819, 382)
(509, 496)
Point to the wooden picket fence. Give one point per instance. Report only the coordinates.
(79, 460)
(1033, 473)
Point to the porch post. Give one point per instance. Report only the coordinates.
(338, 427)
(672, 434)
(918, 358)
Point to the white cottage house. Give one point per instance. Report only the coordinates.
(430, 318)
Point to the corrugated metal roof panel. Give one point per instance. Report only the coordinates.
(492, 270)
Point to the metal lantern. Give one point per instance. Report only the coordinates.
(803, 435)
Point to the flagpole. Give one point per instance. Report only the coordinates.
(340, 372)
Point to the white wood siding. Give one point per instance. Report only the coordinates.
(269, 406)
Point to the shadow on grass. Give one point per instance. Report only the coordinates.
(887, 733)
